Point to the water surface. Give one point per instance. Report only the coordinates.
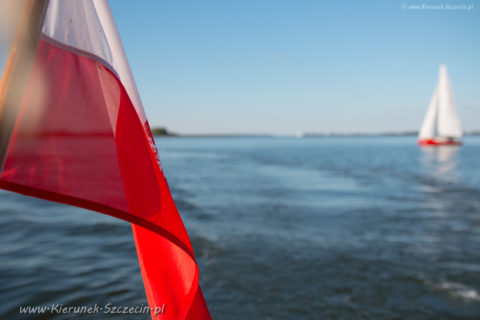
(283, 228)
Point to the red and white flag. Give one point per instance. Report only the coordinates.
(81, 137)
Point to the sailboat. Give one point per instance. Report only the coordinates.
(441, 125)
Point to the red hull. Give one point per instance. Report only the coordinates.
(439, 142)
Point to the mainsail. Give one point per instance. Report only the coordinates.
(441, 119)
(448, 121)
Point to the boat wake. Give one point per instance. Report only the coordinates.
(456, 289)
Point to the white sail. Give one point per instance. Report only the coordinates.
(429, 125)
(441, 119)
(448, 121)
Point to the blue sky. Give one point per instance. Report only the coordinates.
(286, 67)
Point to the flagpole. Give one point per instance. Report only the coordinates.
(17, 69)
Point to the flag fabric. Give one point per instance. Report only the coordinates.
(82, 138)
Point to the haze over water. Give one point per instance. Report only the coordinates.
(282, 228)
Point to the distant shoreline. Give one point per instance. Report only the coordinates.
(164, 133)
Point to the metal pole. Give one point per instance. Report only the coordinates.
(17, 69)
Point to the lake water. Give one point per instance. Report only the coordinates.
(282, 228)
